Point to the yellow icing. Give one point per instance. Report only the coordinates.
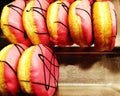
(5, 29)
(24, 69)
(102, 24)
(52, 16)
(28, 22)
(74, 22)
(3, 54)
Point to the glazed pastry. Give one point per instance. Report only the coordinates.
(80, 25)
(38, 71)
(11, 22)
(57, 23)
(34, 18)
(104, 24)
(9, 57)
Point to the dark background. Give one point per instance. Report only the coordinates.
(3, 3)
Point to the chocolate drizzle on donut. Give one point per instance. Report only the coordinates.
(25, 35)
(19, 47)
(52, 67)
(85, 11)
(61, 23)
(9, 66)
(35, 9)
(52, 63)
(64, 6)
(66, 9)
(14, 7)
(42, 33)
(40, 11)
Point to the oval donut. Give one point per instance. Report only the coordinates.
(9, 58)
(34, 20)
(104, 25)
(38, 71)
(80, 24)
(12, 24)
(57, 23)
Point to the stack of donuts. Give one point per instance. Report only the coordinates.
(29, 65)
(61, 22)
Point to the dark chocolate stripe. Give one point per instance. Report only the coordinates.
(42, 33)
(51, 75)
(61, 23)
(42, 59)
(85, 11)
(45, 67)
(66, 9)
(38, 9)
(14, 8)
(25, 35)
(9, 66)
(37, 83)
(40, 55)
(40, 13)
(64, 6)
(18, 48)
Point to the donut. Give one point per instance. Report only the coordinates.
(57, 23)
(9, 57)
(38, 71)
(11, 22)
(34, 18)
(80, 25)
(104, 25)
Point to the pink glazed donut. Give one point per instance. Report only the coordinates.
(12, 24)
(38, 71)
(9, 58)
(34, 20)
(80, 24)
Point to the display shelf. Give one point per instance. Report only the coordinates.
(79, 50)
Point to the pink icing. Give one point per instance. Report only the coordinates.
(114, 28)
(40, 21)
(41, 70)
(70, 1)
(63, 32)
(15, 20)
(86, 21)
(12, 59)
